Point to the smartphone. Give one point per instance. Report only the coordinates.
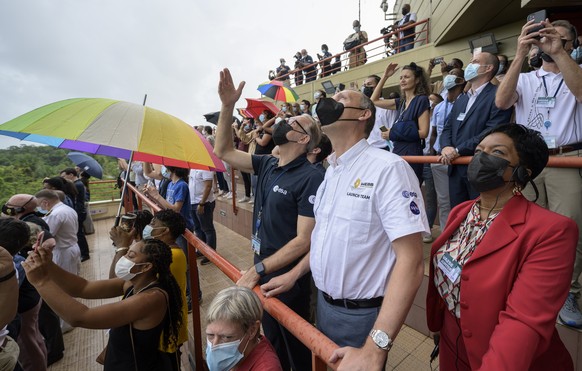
(39, 241)
(383, 129)
(438, 60)
(537, 17)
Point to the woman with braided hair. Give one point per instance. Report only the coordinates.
(151, 304)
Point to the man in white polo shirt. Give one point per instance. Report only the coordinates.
(549, 100)
(366, 247)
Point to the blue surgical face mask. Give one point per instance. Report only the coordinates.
(500, 69)
(165, 172)
(472, 71)
(247, 128)
(147, 232)
(223, 356)
(577, 54)
(41, 210)
(262, 117)
(449, 82)
(316, 95)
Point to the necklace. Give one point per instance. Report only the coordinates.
(143, 288)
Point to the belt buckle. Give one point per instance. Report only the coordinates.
(350, 304)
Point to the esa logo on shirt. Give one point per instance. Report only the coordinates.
(277, 189)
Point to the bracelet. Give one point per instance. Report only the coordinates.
(8, 276)
(120, 249)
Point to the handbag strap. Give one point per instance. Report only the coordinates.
(132, 346)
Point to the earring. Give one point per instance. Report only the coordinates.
(517, 190)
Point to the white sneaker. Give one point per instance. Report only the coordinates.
(252, 200)
(221, 193)
(228, 196)
(244, 199)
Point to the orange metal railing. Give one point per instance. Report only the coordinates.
(320, 345)
(372, 50)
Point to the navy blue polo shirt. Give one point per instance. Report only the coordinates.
(282, 194)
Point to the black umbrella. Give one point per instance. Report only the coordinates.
(87, 163)
(212, 117)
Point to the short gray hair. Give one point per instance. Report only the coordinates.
(236, 304)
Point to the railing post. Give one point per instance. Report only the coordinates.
(194, 287)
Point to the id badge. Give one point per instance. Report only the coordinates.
(461, 116)
(450, 267)
(546, 102)
(550, 141)
(256, 244)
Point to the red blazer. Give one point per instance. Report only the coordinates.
(512, 288)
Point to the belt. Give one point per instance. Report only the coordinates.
(354, 303)
(564, 149)
(4, 344)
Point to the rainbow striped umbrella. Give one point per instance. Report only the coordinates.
(277, 91)
(115, 128)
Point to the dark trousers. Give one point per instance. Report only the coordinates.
(291, 352)
(81, 239)
(459, 188)
(222, 184)
(49, 325)
(204, 223)
(247, 181)
(430, 198)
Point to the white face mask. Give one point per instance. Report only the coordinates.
(123, 269)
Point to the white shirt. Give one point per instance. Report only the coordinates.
(384, 117)
(369, 197)
(401, 22)
(63, 224)
(565, 116)
(473, 94)
(196, 185)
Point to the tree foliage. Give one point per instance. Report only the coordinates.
(22, 168)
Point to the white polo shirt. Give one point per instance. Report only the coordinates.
(566, 115)
(196, 185)
(384, 117)
(369, 197)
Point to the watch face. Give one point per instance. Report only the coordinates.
(381, 339)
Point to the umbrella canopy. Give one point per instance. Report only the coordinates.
(277, 91)
(256, 106)
(87, 163)
(212, 117)
(243, 112)
(115, 128)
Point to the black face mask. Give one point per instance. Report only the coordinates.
(485, 172)
(280, 131)
(535, 61)
(367, 91)
(329, 111)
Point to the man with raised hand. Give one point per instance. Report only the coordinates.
(283, 212)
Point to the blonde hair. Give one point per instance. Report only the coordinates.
(236, 304)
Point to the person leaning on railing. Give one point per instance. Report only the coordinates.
(501, 269)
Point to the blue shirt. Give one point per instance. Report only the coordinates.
(179, 192)
(439, 116)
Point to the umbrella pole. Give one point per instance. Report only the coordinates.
(124, 190)
(126, 180)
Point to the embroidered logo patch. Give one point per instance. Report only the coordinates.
(414, 208)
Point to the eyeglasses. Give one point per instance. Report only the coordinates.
(296, 121)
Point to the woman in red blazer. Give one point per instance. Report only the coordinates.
(501, 269)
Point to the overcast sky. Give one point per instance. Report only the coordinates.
(172, 50)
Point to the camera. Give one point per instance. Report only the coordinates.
(297, 55)
(386, 30)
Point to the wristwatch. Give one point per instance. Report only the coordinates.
(381, 339)
(260, 269)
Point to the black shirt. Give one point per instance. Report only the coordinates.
(283, 193)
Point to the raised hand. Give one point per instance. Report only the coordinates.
(228, 94)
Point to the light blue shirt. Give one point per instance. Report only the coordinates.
(440, 115)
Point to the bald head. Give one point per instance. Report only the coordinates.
(24, 203)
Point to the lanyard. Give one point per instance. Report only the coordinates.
(548, 122)
(264, 199)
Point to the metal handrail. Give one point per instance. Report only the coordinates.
(371, 53)
(320, 345)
